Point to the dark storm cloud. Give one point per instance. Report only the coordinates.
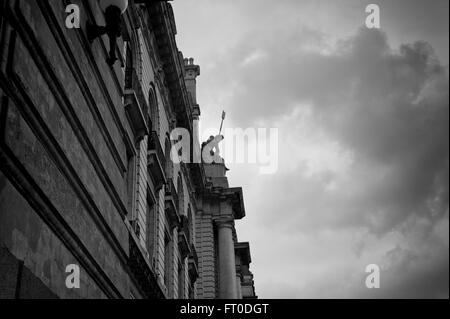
(364, 139)
(421, 271)
(390, 108)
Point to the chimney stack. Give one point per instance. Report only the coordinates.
(191, 74)
(192, 71)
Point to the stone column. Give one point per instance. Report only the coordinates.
(227, 263)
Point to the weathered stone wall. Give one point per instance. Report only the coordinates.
(64, 152)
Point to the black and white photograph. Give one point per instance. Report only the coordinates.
(242, 151)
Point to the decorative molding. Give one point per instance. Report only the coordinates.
(224, 222)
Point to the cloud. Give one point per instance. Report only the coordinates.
(364, 142)
(387, 110)
(364, 150)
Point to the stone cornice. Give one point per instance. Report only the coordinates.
(243, 251)
(163, 23)
(234, 195)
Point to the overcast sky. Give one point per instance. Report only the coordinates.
(363, 119)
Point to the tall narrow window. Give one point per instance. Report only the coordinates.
(151, 229)
(128, 67)
(190, 225)
(180, 191)
(191, 291)
(154, 111)
(169, 163)
(167, 261)
(131, 180)
(131, 156)
(181, 281)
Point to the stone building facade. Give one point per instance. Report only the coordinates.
(87, 175)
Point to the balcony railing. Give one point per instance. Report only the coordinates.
(142, 271)
(156, 161)
(183, 244)
(171, 201)
(132, 82)
(183, 237)
(136, 105)
(193, 264)
(184, 226)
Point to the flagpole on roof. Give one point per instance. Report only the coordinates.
(221, 124)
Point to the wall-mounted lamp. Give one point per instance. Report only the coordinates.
(113, 10)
